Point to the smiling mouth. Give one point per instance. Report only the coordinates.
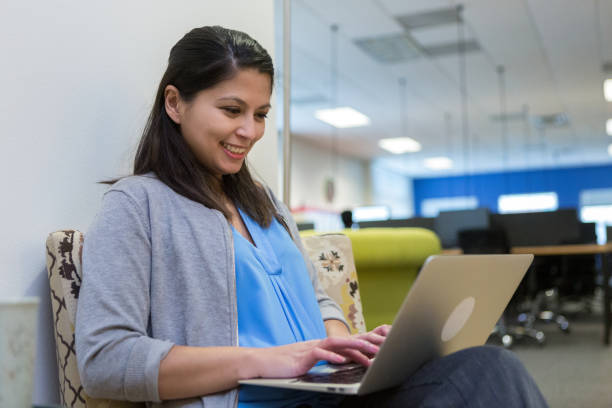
(234, 149)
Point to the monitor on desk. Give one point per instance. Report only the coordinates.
(540, 228)
(448, 224)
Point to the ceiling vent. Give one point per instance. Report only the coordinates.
(390, 49)
(309, 99)
(452, 48)
(551, 120)
(430, 18)
(508, 117)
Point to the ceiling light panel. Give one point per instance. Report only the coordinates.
(344, 117)
(400, 145)
(438, 163)
(390, 49)
(608, 89)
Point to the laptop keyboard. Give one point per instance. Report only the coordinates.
(348, 376)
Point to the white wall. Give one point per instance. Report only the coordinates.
(78, 81)
(393, 189)
(311, 166)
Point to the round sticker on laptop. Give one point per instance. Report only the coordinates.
(458, 318)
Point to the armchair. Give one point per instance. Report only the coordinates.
(331, 254)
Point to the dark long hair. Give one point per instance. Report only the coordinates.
(203, 58)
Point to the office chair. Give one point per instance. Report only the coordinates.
(545, 304)
(495, 241)
(562, 279)
(575, 276)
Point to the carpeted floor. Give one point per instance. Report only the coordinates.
(573, 370)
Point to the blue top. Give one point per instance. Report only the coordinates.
(276, 303)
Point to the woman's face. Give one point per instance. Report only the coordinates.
(221, 124)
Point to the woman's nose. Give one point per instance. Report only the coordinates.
(248, 128)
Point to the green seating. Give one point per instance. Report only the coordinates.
(387, 262)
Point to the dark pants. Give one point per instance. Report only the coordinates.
(477, 377)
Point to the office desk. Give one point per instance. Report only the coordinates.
(580, 249)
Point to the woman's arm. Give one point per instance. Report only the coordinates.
(194, 371)
(336, 328)
(116, 358)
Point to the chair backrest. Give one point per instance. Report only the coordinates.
(332, 256)
(64, 250)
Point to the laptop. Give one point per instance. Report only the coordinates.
(453, 304)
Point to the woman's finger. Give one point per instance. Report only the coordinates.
(357, 356)
(340, 343)
(382, 330)
(319, 354)
(359, 351)
(373, 338)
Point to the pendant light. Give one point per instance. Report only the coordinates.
(503, 115)
(330, 182)
(465, 125)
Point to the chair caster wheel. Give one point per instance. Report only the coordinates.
(540, 338)
(563, 324)
(507, 341)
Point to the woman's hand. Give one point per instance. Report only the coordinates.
(375, 337)
(191, 371)
(335, 328)
(296, 359)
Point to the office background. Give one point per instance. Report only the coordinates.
(80, 78)
(567, 183)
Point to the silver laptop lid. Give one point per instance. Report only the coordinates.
(453, 304)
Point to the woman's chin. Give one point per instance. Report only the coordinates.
(231, 170)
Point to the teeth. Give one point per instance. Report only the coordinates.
(233, 149)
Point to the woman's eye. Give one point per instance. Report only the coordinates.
(261, 115)
(231, 109)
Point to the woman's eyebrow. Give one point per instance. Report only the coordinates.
(241, 102)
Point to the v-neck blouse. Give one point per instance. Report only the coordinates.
(276, 302)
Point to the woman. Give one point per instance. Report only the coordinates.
(195, 277)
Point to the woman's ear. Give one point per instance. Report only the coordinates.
(172, 103)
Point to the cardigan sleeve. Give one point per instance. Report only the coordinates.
(115, 356)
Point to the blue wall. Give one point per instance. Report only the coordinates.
(566, 182)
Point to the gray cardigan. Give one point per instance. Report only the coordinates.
(158, 270)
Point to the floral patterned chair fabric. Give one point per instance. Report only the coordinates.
(332, 255)
(64, 254)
